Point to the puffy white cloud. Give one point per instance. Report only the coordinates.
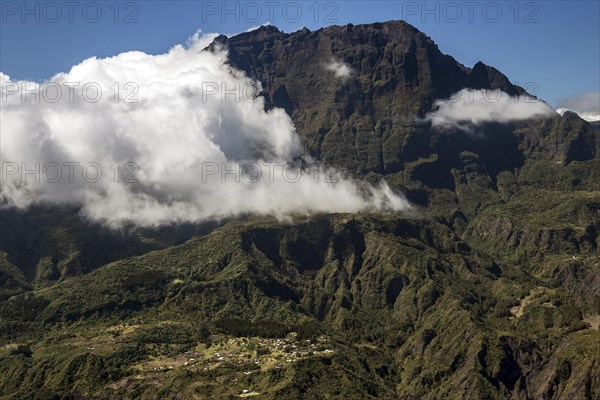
(166, 136)
(586, 105)
(339, 68)
(471, 107)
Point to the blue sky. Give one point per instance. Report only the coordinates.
(550, 47)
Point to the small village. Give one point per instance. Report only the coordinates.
(255, 353)
(239, 357)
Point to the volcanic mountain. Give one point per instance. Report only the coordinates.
(489, 290)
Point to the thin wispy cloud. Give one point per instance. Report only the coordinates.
(472, 107)
(587, 106)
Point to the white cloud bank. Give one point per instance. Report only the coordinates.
(471, 107)
(586, 105)
(339, 68)
(177, 133)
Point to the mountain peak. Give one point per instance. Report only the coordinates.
(393, 53)
(266, 28)
(369, 81)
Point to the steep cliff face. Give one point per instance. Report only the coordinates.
(368, 119)
(392, 58)
(362, 119)
(365, 121)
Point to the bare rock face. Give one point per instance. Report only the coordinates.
(365, 120)
(358, 96)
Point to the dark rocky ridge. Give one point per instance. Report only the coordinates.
(365, 123)
(394, 54)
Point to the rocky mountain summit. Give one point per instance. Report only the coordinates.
(370, 122)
